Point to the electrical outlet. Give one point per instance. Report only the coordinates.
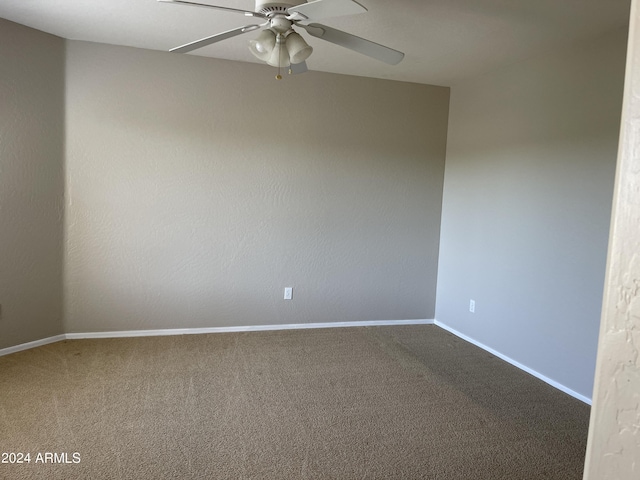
(472, 306)
(288, 293)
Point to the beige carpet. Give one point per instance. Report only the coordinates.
(380, 402)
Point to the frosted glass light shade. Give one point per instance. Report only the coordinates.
(299, 50)
(262, 47)
(279, 57)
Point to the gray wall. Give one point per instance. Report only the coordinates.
(527, 198)
(31, 183)
(198, 189)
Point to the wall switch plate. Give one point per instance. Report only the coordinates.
(472, 306)
(288, 293)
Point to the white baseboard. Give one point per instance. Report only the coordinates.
(513, 362)
(34, 344)
(248, 328)
(194, 331)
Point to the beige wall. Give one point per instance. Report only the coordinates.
(198, 189)
(31, 183)
(613, 450)
(527, 199)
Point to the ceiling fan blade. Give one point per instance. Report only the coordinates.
(247, 13)
(320, 9)
(296, 68)
(357, 44)
(215, 38)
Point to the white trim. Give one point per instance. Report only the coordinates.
(34, 344)
(248, 328)
(195, 331)
(513, 362)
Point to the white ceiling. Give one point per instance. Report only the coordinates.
(444, 40)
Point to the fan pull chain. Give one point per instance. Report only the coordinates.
(279, 42)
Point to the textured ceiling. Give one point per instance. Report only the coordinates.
(444, 40)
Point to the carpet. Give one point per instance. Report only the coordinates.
(403, 402)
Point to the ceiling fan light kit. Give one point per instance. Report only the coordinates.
(279, 56)
(262, 46)
(280, 49)
(298, 49)
(279, 45)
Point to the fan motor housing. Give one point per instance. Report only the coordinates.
(281, 6)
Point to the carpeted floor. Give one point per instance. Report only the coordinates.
(346, 403)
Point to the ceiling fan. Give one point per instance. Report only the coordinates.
(279, 45)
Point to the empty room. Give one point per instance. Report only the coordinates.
(328, 239)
